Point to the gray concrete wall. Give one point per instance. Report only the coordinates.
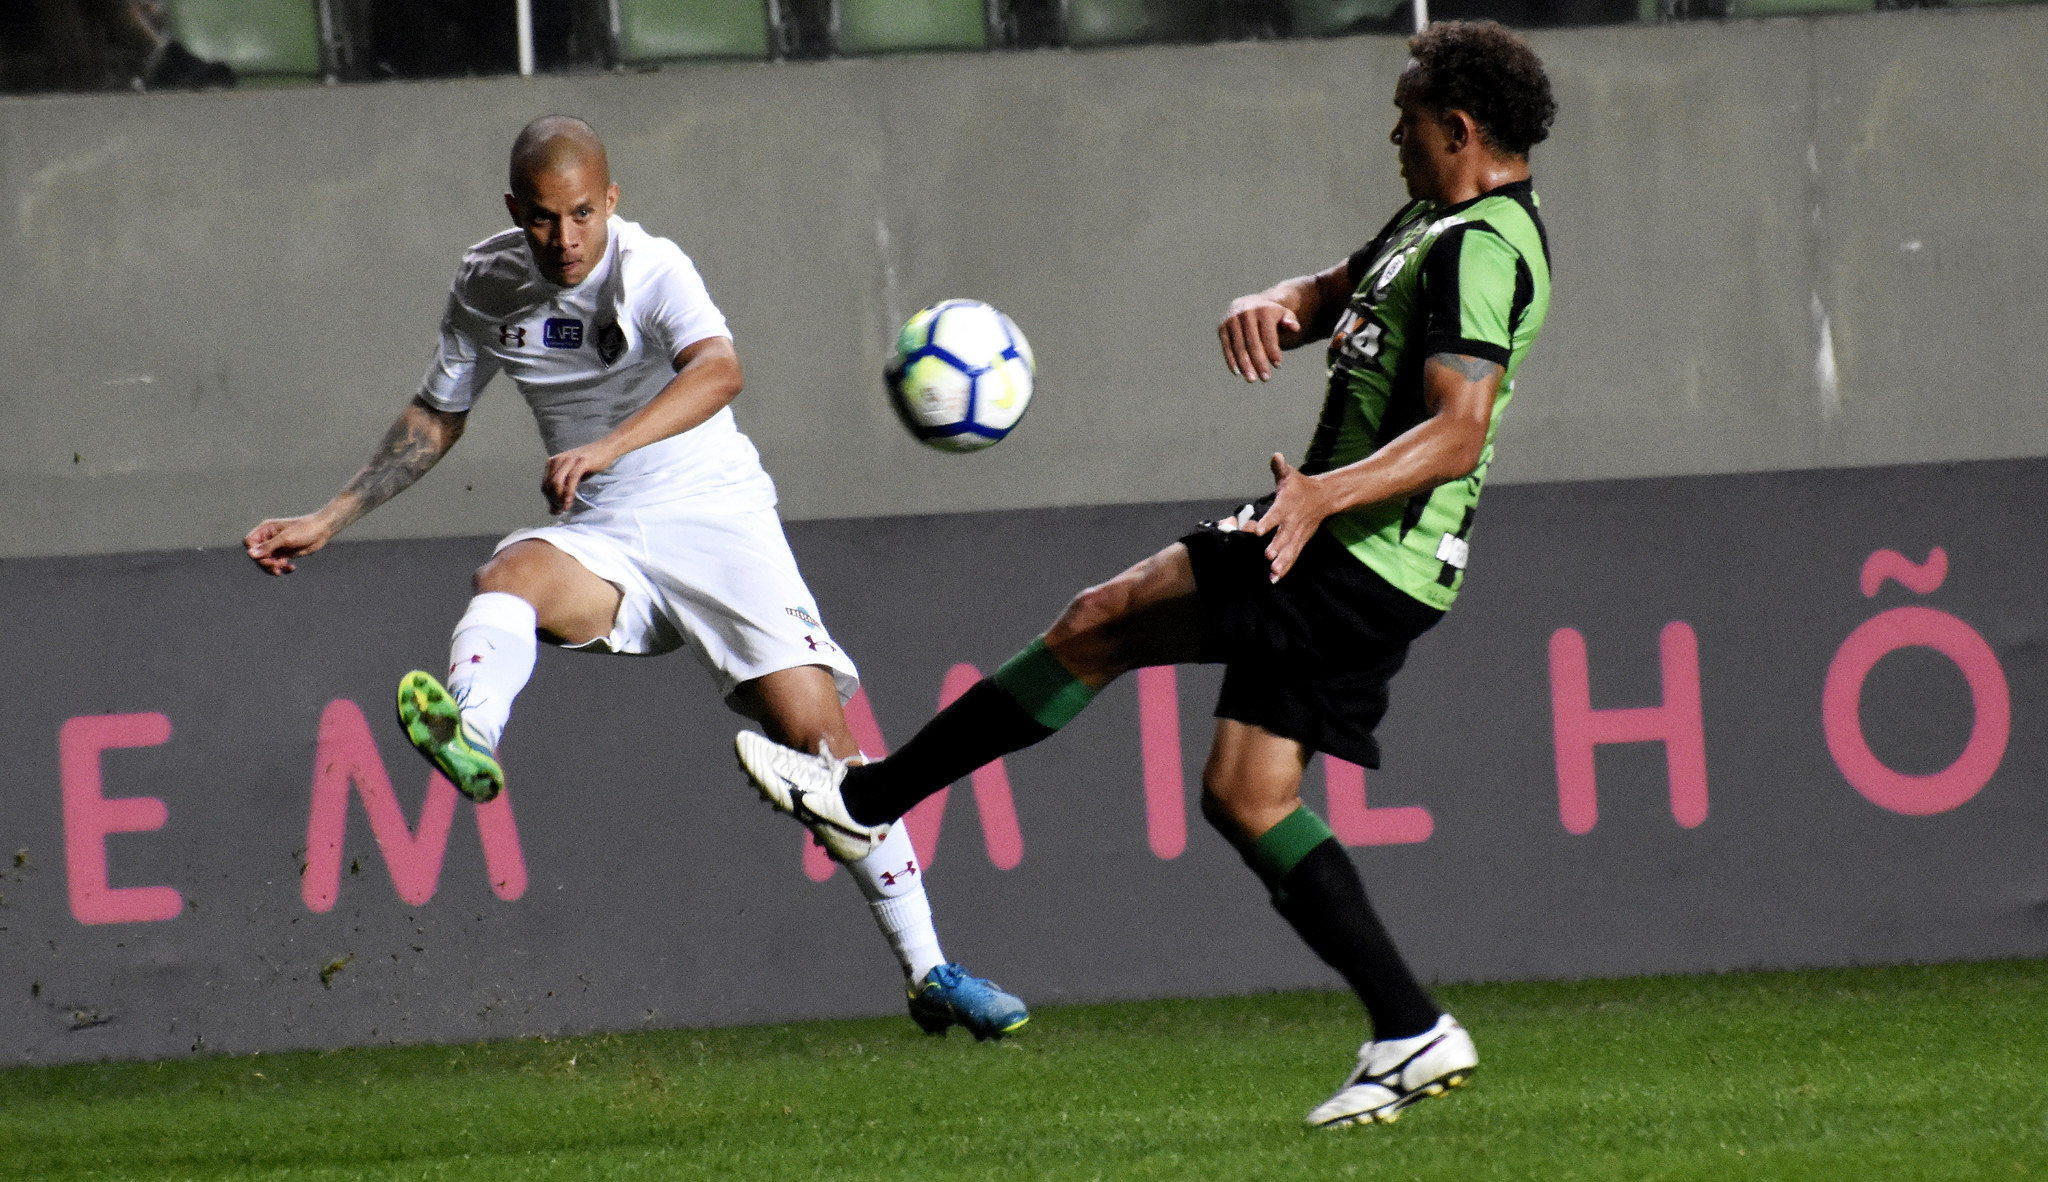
(1779, 245)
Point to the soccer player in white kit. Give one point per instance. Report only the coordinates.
(667, 533)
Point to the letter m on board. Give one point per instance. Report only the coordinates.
(347, 758)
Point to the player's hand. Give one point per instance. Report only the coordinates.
(273, 544)
(1297, 511)
(1250, 333)
(568, 469)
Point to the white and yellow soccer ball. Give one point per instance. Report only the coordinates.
(961, 375)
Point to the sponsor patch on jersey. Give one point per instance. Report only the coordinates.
(611, 341)
(558, 333)
(809, 620)
(1385, 282)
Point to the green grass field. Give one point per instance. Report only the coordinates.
(1867, 1074)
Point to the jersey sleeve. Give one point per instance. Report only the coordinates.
(1472, 283)
(459, 370)
(677, 311)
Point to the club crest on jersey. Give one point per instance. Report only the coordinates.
(513, 335)
(611, 341)
(558, 333)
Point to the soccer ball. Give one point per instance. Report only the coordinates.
(961, 375)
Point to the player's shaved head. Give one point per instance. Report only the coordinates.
(554, 143)
(562, 194)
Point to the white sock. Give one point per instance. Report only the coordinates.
(893, 883)
(489, 662)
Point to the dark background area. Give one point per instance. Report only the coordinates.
(72, 45)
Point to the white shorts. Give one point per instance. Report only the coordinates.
(713, 572)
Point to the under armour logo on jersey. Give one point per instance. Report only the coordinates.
(820, 645)
(513, 335)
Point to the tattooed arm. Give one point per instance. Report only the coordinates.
(1457, 390)
(415, 443)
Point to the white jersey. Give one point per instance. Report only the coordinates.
(588, 356)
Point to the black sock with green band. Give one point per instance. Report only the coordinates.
(1030, 697)
(1280, 849)
(1037, 681)
(1316, 889)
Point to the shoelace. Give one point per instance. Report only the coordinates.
(834, 766)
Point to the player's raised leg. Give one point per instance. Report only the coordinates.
(800, 707)
(1251, 793)
(528, 588)
(1144, 616)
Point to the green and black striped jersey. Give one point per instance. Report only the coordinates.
(1472, 278)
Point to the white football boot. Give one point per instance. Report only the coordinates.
(807, 788)
(1397, 1072)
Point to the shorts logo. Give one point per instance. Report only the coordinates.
(611, 341)
(562, 334)
(809, 620)
(513, 335)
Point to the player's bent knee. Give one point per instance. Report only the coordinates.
(1090, 617)
(513, 571)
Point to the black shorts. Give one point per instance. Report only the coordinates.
(1307, 658)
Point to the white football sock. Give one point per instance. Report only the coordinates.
(489, 662)
(893, 883)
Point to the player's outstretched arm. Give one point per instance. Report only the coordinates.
(415, 443)
(708, 376)
(1292, 312)
(1457, 390)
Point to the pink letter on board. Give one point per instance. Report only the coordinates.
(347, 757)
(89, 817)
(1166, 799)
(1356, 824)
(1677, 723)
(1990, 701)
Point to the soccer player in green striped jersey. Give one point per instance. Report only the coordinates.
(1311, 597)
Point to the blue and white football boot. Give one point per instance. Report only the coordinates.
(948, 996)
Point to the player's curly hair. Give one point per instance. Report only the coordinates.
(1489, 73)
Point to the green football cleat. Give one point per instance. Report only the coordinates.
(433, 722)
